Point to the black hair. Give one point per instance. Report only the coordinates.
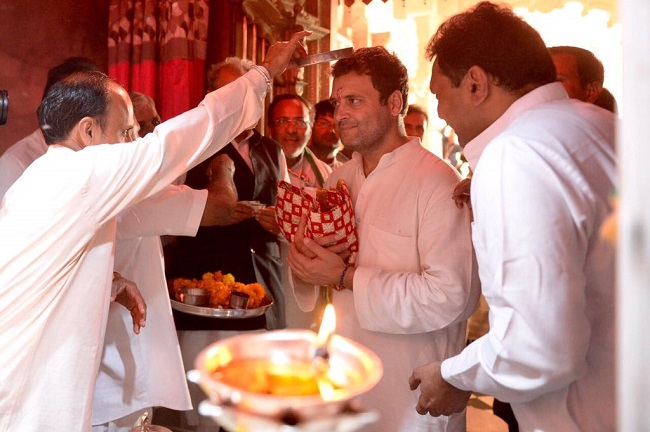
(590, 69)
(324, 108)
(417, 109)
(289, 96)
(68, 67)
(386, 71)
(82, 94)
(498, 41)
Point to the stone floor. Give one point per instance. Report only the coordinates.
(480, 417)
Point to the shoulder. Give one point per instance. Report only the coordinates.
(268, 143)
(30, 147)
(322, 166)
(423, 163)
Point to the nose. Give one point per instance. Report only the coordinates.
(338, 114)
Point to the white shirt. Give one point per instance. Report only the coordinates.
(18, 157)
(302, 174)
(413, 288)
(543, 174)
(57, 230)
(146, 370)
(131, 378)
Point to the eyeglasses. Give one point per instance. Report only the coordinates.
(296, 122)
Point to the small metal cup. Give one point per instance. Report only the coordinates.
(194, 296)
(239, 300)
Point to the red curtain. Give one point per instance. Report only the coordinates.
(158, 47)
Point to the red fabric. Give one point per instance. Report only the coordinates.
(337, 219)
(158, 47)
(180, 86)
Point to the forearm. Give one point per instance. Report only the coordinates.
(220, 205)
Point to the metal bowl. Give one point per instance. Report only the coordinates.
(194, 296)
(295, 345)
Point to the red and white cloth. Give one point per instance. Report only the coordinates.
(336, 218)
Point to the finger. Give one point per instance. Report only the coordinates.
(296, 41)
(300, 232)
(414, 382)
(326, 240)
(315, 248)
(300, 252)
(338, 248)
(420, 409)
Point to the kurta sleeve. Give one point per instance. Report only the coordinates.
(149, 164)
(176, 210)
(530, 231)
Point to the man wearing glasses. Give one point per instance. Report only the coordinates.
(290, 124)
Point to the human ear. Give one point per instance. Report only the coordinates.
(477, 82)
(84, 131)
(395, 102)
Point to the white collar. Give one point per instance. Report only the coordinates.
(543, 94)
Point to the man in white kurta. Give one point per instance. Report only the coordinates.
(544, 170)
(410, 291)
(18, 157)
(138, 372)
(131, 378)
(534, 253)
(57, 228)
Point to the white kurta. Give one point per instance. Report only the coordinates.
(57, 230)
(413, 289)
(146, 370)
(543, 174)
(18, 157)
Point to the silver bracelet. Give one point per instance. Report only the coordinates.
(267, 76)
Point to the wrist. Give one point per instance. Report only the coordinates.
(264, 71)
(346, 277)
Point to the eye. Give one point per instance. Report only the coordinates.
(296, 122)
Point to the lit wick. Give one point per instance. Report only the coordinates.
(325, 332)
(321, 355)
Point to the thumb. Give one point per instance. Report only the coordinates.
(414, 382)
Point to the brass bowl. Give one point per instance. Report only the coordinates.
(282, 346)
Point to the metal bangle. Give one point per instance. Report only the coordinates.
(267, 76)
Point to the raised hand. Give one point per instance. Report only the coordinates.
(280, 54)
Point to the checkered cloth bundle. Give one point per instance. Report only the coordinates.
(330, 212)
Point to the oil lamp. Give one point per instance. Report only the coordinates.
(268, 381)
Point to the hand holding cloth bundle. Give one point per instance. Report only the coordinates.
(329, 211)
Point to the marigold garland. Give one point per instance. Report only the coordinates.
(220, 287)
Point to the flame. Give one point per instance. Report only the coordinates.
(325, 332)
(327, 326)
